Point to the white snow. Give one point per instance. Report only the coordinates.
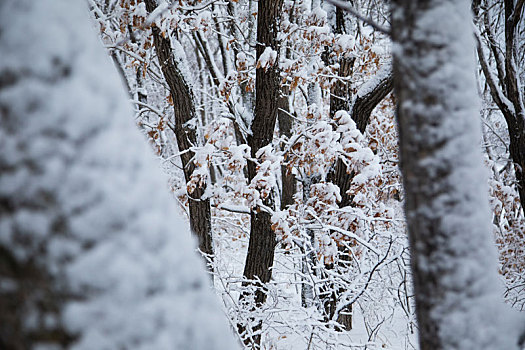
(267, 58)
(440, 105)
(371, 83)
(85, 185)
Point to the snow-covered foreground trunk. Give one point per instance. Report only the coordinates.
(453, 257)
(92, 254)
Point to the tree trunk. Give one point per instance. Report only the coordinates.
(308, 263)
(289, 182)
(515, 95)
(184, 111)
(261, 247)
(517, 153)
(365, 101)
(341, 95)
(361, 109)
(339, 100)
(262, 238)
(92, 253)
(453, 257)
(504, 87)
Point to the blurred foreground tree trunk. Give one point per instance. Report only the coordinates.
(92, 255)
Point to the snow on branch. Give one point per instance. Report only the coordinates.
(499, 97)
(350, 9)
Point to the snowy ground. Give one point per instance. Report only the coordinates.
(289, 326)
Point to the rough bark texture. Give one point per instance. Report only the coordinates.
(289, 182)
(184, 111)
(340, 99)
(361, 109)
(504, 88)
(261, 246)
(365, 104)
(341, 95)
(262, 238)
(452, 254)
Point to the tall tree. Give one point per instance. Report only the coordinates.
(262, 238)
(184, 114)
(92, 255)
(360, 108)
(452, 256)
(504, 87)
(261, 247)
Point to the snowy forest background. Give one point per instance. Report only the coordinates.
(274, 124)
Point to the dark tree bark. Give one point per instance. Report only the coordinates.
(289, 182)
(453, 258)
(262, 238)
(360, 109)
(184, 111)
(364, 104)
(504, 87)
(515, 124)
(341, 94)
(340, 99)
(261, 247)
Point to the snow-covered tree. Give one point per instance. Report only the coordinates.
(458, 299)
(501, 47)
(92, 252)
(326, 172)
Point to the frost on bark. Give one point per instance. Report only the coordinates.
(184, 113)
(92, 255)
(452, 255)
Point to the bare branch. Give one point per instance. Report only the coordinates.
(516, 14)
(499, 98)
(370, 95)
(350, 9)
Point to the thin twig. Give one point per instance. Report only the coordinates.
(350, 9)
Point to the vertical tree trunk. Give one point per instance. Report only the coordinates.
(360, 110)
(184, 111)
(340, 98)
(92, 253)
(452, 255)
(288, 180)
(261, 247)
(262, 238)
(517, 153)
(308, 263)
(515, 94)
(505, 88)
